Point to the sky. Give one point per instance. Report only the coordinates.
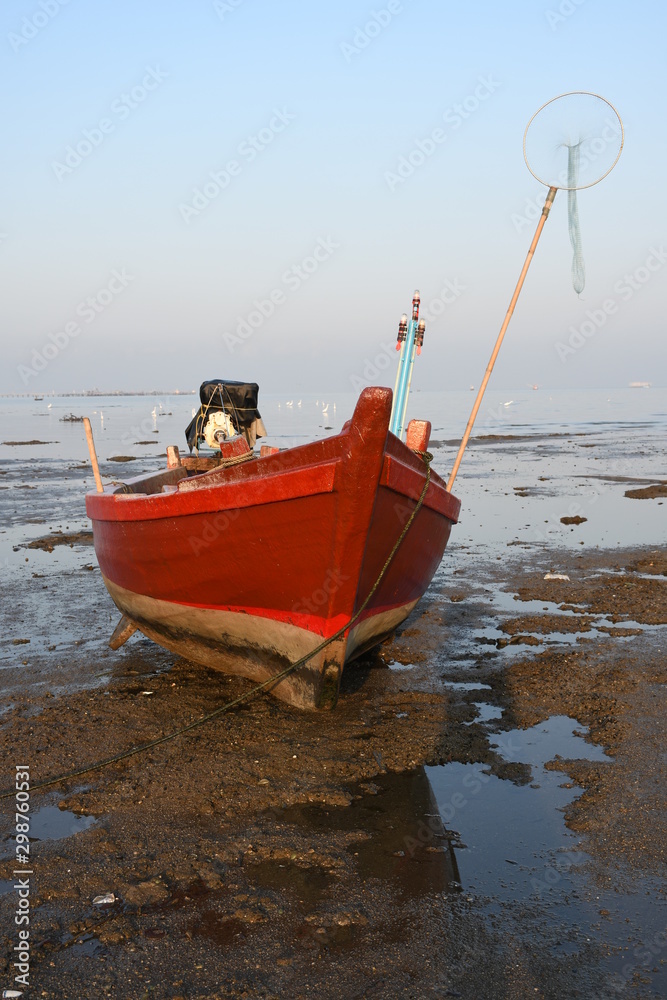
(250, 190)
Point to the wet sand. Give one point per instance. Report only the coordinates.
(445, 832)
(272, 853)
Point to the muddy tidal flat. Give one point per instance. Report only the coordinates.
(483, 816)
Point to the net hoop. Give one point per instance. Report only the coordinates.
(582, 187)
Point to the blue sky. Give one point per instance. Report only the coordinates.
(126, 264)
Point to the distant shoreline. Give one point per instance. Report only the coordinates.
(52, 394)
(99, 392)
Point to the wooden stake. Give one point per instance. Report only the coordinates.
(489, 368)
(93, 455)
(122, 632)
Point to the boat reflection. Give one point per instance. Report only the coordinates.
(405, 841)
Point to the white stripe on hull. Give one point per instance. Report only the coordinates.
(254, 647)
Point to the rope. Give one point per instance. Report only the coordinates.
(427, 458)
(226, 463)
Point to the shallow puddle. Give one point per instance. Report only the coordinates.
(467, 686)
(558, 736)
(515, 847)
(51, 823)
(460, 830)
(485, 713)
(47, 823)
(514, 834)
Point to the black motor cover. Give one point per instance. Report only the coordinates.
(238, 399)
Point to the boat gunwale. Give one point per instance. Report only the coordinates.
(268, 480)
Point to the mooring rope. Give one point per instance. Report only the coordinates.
(256, 689)
(227, 463)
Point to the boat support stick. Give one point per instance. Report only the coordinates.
(489, 368)
(93, 455)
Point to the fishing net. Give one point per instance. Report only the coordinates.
(572, 142)
(578, 270)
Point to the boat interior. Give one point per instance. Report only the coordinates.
(167, 480)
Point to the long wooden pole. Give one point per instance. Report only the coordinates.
(489, 368)
(93, 455)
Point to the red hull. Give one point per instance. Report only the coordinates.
(248, 568)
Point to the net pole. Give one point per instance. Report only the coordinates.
(407, 387)
(489, 368)
(396, 424)
(392, 423)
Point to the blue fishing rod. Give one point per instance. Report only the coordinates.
(410, 341)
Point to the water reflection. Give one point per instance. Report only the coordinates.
(406, 842)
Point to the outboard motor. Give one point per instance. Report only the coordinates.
(227, 408)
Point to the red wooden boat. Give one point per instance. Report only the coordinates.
(248, 567)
